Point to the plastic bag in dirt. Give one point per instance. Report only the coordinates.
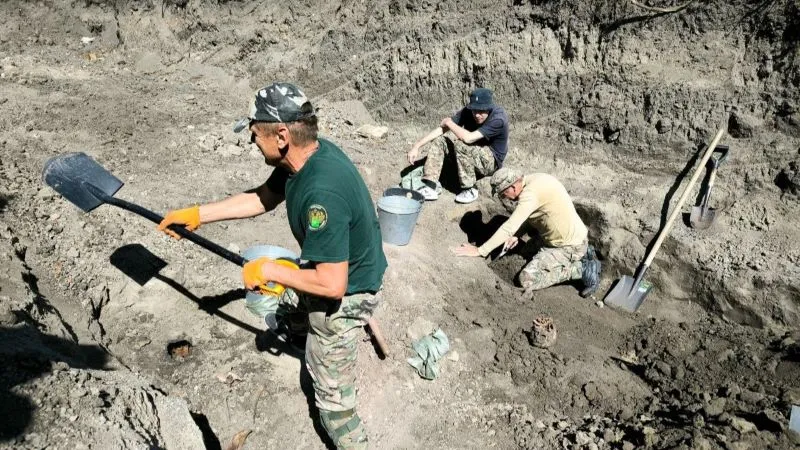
(261, 305)
(412, 179)
(429, 349)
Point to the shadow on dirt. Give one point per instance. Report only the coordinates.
(665, 206)
(3, 203)
(210, 439)
(141, 265)
(476, 230)
(28, 354)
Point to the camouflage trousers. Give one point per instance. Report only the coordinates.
(553, 265)
(331, 349)
(472, 161)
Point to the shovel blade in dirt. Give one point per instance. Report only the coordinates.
(701, 218)
(69, 174)
(628, 294)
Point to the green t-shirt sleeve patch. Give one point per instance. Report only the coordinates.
(327, 228)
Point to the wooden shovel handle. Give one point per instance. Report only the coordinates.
(377, 334)
(682, 200)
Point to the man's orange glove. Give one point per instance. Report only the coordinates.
(253, 275)
(187, 216)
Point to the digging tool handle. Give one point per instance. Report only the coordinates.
(677, 210)
(183, 232)
(376, 332)
(711, 178)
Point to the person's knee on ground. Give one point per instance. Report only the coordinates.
(533, 280)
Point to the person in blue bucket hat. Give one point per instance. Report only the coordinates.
(479, 141)
(332, 217)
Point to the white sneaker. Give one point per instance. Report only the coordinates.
(430, 189)
(429, 193)
(467, 195)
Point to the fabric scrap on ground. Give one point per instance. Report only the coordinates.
(429, 349)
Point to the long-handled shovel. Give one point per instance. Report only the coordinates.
(87, 185)
(629, 292)
(703, 216)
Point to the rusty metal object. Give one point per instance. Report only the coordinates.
(544, 332)
(375, 332)
(179, 350)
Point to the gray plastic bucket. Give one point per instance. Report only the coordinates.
(397, 214)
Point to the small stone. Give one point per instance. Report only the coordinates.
(372, 131)
(701, 443)
(663, 126)
(562, 425)
(714, 407)
(77, 393)
(791, 396)
(732, 390)
(751, 397)
(726, 356)
(664, 368)
(581, 438)
(230, 150)
(628, 446)
(698, 421)
(743, 426)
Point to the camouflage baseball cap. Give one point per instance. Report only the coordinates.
(278, 102)
(503, 179)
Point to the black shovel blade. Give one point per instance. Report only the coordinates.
(69, 173)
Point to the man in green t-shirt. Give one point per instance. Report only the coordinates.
(332, 217)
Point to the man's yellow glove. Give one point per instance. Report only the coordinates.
(253, 275)
(190, 217)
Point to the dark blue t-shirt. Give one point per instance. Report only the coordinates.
(494, 131)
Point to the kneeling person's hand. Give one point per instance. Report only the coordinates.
(466, 250)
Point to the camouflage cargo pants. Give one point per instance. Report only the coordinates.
(553, 265)
(473, 161)
(331, 349)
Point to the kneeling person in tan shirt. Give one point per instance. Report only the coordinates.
(544, 203)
